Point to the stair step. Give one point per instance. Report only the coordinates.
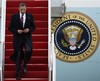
(36, 45)
(35, 38)
(37, 17)
(34, 60)
(29, 3)
(26, 79)
(37, 31)
(36, 52)
(38, 24)
(29, 74)
(32, 10)
(30, 67)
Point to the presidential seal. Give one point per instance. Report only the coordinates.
(76, 37)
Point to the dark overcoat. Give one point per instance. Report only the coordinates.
(16, 24)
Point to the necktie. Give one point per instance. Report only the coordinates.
(21, 19)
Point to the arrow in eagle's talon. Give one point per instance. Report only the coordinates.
(82, 42)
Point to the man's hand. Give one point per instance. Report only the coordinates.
(20, 31)
(26, 30)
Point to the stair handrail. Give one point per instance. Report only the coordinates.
(2, 50)
(53, 59)
(0, 62)
(51, 53)
(49, 42)
(2, 36)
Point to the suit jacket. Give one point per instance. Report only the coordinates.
(16, 24)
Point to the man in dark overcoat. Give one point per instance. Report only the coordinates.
(22, 26)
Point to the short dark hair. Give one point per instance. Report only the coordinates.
(22, 4)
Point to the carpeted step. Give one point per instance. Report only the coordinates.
(30, 3)
(30, 67)
(37, 17)
(34, 60)
(37, 31)
(38, 24)
(35, 38)
(36, 45)
(26, 79)
(29, 74)
(36, 52)
(33, 10)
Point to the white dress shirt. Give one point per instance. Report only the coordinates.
(24, 18)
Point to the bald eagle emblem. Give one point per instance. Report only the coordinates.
(72, 35)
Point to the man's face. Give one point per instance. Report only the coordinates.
(22, 9)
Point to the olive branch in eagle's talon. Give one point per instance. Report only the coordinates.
(64, 43)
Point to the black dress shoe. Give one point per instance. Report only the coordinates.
(18, 77)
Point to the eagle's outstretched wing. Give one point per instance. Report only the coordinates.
(65, 36)
(79, 35)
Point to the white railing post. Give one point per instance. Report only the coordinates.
(53, 60)
(3, 18)
(49, 40)
(2, 36)
(51, 53)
